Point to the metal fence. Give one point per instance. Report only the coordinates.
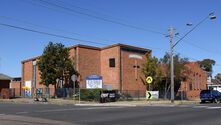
(89, 94)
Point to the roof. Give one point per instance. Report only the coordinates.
(4, 77)
(85, 46)
(30, 59)
(125, 45)
(97, 48)
(16, 79)
(215, 82)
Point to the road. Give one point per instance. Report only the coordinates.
(36, 114)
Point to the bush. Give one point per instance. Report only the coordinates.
(90, 94)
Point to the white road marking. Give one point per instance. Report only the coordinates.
(185, 106)
(76, 109)
(21, 113)
(200, 106)
(214, 108)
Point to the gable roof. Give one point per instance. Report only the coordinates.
(4, 77)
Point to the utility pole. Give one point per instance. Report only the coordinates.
(211, 16)
(171, 65)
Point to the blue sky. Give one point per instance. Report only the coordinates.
(151, 15)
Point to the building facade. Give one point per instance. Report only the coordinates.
(196, 81)
(119, 65)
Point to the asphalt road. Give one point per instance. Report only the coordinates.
(22, 114)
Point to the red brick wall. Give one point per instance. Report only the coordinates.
(4, 84)
(111, 75)
(197, 78)
(91, 61)
(88, 63)
(27, 72)
(131, 80)
(27, 75)
(16, 85)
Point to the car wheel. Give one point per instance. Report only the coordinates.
(215, 101)
(202, 101)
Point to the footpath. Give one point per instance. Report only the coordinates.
(86, 103)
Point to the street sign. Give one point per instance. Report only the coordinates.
(73, 77)
(149, 95)
(152, 94)
(149, 79)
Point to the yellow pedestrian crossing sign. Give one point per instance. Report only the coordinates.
(149, 79)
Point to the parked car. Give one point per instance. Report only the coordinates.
(210, 95)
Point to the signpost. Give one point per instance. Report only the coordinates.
(74, 79)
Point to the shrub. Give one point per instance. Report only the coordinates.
(90, 94)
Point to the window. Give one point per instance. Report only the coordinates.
(112, 62)
(191, 86)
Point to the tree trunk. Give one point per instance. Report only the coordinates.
(165, 90)
(168, 89)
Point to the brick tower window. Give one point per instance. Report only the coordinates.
(191, 86)
(112, 62)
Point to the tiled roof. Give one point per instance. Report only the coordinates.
(215, 81)
(4, 77)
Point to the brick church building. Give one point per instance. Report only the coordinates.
(119, 65)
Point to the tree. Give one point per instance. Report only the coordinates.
(207, 65)
(55, 64)
(218, 76)
(151, 68)
(180, 72)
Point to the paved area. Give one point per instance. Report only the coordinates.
(81, 103)
(194, 114)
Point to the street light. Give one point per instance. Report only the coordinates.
(211, 16)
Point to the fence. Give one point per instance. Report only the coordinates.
(88, 94)
(7, 93)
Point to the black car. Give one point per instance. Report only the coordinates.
(210, 95)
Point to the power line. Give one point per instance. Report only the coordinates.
(89, 10)
(101, 18)
(102, 14)
(204, 19)
(52, 28)
(61, 30)
(49, 34)
(197, 46)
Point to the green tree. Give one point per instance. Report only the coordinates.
(180, 72)
(151, 68)
(55, 64)
(207, 65)
(218, 76)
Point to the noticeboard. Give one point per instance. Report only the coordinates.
(93, 82)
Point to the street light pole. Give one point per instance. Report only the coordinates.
(171, 65)
(211, 16)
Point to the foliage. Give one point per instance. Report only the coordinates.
(207, 65)
(180, 71)
(90, 94)
(218, 76)
(55, 63)
(151, 68)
